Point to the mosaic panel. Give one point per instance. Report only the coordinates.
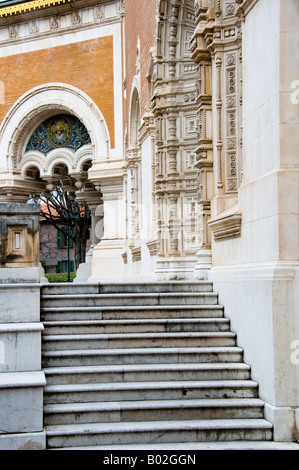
(61, 131)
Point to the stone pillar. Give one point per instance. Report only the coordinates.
(107, 262)
(96, 233)
(21, 377)
(255, 250)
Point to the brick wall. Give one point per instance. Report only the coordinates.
(140, 22)
(86, 65)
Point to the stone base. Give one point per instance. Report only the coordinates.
(84, 270)
(107, 263)
(281, 417)
(261, 302)
(21, 275)
(26, 356)
(21, 398)
(204, 264)
(13, 307)
(175, 269)
(27, 441)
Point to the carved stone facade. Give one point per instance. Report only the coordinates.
(191, 170)
(217, 49)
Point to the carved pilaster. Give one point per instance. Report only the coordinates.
(218, 38)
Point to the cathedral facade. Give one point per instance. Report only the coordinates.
(177, 122)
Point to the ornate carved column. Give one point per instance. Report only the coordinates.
(204, 151)
(174, 109)
(217, 50)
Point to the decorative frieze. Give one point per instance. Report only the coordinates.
(49, 26)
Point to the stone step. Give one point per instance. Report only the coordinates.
(181, 449)
(70, 288)
(147, 373)
(157, 287)
(156, 410)
(130, 312)
(149, 299)
(124, 287)
(78, 435)
(138, 340)
(136, 326)
(98, 357)
(134, 391)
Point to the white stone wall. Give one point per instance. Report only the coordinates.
(257, 274)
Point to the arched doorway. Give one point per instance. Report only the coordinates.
(52, 134)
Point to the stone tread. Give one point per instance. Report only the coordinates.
(144, 321)
(152, 386)
(200, 446)
(147, 367)
(141, 352)
(168, 335)
(160, 426)
(154, 405)
(129, 295)
(133, 307)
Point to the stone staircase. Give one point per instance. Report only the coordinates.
(144, 364)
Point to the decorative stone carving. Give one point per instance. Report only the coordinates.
(227, 226)
(54, 23)
(153, 247)
(13, 31)
(33, 28)
(136, 254)
(76, 18)
(99, 13)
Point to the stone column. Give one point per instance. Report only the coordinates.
(107, 262)
(21, 378)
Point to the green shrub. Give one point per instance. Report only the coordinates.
(58, 278)
(44, 265)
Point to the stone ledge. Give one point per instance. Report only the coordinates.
(21, 327)
(22, 380)
(136, 253)
(153, 247)
(227, 225)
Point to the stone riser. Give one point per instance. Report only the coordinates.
(64, 289)
(130, 313)
(58, 414)
(191, 432)
(139, 356)
(168, 391)
(69, 288)
(154, 374)
(157, 287)
(94, 300)
(56, 343)
(135, 326)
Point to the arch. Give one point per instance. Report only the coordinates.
(134, 114)
(41, 103)
(83, 155)
(36, 159)
(56, 157)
